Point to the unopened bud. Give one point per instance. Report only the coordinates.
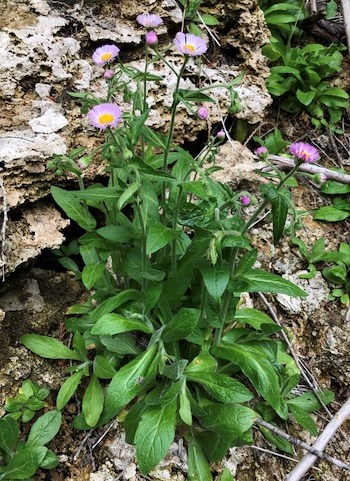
(245, 200)
(262, 152)
(151, 38)
(108, 74)
(84, 162)
(202, 113)
(221, 134)
(320, 178)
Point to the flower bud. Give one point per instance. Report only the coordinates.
(245, 200)
(202, 113)
(220, 135)
(108, 74)
(320, 178)
(262, 152)
(151, 38)
(84, 162)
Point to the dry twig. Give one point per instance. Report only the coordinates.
(305, 464)
(316, 453)
(311, 169)
(345, 5)
(3, 229)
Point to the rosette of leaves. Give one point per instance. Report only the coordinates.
(22, 456)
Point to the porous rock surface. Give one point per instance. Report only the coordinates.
(46, 49)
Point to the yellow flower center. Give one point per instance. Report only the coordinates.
(106, 56)
(106, 119)
(189, 47)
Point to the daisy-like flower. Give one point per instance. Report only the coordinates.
(105, 54)
(149, 20)
(190, 44)
(305, 152)
(104, 115)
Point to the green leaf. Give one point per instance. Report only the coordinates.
(97, 194)
(226, 476)
(153, 138)
(92, 405)
(258, 370)
(50, 461)
(113, 303)
(154, 435)
(309, 402)
(73, 208)
(257, 280)
(193, 96)
(305, 98)
(129, 381)
(279, 215)
(330, 214)
(116, 233)
(203, 362)
(209, 19)
(92, 273)
(159, 236)
(132, 419)
(246, 263)
(304, 419)
(216, 279)
(221, 387)
(198, 466)
(253, 317)
(185, 406)
(229, 420)
(181, 325)
(44, 429)
(102, 368)
(332, 187)
(24, 463)
(110, 324)
(128, 194)
(48, 347)
(9, 434)
(282, 444)
(67, 389)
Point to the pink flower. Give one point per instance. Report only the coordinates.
(108, 74)
(104, 115)
(151, 38)
(305, 152)
(262, 152)
(105, 54)
(245, 200)
(221, 134)
(202, 113)
(190, 44)
(149, 20)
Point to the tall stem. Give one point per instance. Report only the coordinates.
(233, 258)
(173, 115)
(143, 242)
